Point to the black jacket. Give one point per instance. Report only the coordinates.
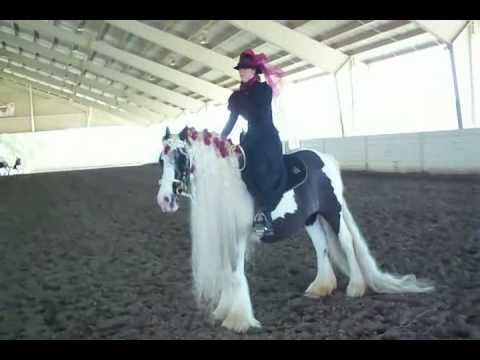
(264, 174)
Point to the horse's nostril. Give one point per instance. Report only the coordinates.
(166, 199)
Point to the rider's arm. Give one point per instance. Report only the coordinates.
(234, 113)
(230, 124)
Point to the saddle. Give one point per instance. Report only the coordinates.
(295, 168)
(296, 171)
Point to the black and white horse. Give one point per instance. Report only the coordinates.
(207, 169)
(6, 169)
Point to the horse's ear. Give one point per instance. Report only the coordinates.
(184, 134)
(168, 134)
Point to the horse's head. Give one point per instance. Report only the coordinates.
(175, 163)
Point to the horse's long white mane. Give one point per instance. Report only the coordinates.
(221, 216)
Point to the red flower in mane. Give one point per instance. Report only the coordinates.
(194, 134)
(223, 151)
(207, 137)
(220, 144)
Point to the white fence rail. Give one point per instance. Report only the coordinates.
(447, 152)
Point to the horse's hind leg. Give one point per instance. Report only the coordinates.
(356, 285)
(325, 281)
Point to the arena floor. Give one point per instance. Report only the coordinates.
(89, 255)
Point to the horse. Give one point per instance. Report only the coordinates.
(18, 163)
(4, 167)
(7, 169)
(207, 169)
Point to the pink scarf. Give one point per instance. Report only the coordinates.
(272, 73)
(249, 83)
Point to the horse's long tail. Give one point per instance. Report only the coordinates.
(375, 278)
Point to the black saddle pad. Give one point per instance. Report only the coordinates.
(296, 171)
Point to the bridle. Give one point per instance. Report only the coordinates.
(181, 182)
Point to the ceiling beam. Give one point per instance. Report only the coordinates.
(342, 30)
(53, 70)
(41, 50)
(147, 87)
(444, 30)
(187, 81)
(190, 82)
(61, 84)
(146, 48)
(170, 96)
(44, 28)
(139, 100)
(422, 46)
(372, 33)
(178, 45)
(300, 45)
(122, 117)
(377, 45)
(326, 38)
(155, 105)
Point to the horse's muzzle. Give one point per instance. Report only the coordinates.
(168, 204)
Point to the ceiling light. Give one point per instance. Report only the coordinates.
(172, 62)
(203, 40)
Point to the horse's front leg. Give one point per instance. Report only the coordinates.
(240, 315)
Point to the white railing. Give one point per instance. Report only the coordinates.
(448, 152)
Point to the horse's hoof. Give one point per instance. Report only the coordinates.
(318, 293)
(356, 290)
(317, 290)
(219, 314)
(240, 325)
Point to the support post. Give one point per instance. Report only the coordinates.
(455, 85)
(340, 117)
(32, 118)
(89, 117)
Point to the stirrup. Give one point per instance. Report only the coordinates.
(260, 226)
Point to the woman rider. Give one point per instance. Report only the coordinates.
(264, 175)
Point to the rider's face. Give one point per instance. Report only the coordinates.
(246, 74)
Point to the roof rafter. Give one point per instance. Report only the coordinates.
(181, 46)
(57, 83)
(49, 90)
(202, 87)
(54, 71)
(300, 45)
(444, 30)
(155, 90)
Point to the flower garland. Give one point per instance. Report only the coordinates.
(223, 148)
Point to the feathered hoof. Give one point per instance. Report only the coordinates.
(356, 289)
(321, 287)
(240, 324)
(219, 314)
(315, 292)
